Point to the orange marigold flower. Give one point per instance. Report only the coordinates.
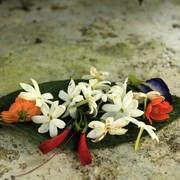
(21, 110)
(158, 109)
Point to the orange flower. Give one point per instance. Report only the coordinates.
(158, 109)
(21, 110)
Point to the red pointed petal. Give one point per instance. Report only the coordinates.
(51, 144)
(84, 153)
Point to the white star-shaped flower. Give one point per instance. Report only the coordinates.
(101, 94)
(118, 90)
(50, 119)
(144, 96)
(111, 126)
(33, 93)
(141, 124)
(122, 107)
(95, 84)
(94, 74)
(88, 97)
(71, 98)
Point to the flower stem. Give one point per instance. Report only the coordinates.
(81, 121)
(99, 104)
(138, 139)
(79, 103)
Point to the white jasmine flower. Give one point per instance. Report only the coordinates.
(87, 93)
(50, 119)
(96, 84)
(71, 98)
(141, 124)
(33, 93)
(118, 90)
(150, 95)
(101, 94)
(94, 74)
(123, 87)
(122, 107)
(110, 126)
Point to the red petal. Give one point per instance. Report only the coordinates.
(156, 101)
(50, 144)
(159, 116)
(84, 154)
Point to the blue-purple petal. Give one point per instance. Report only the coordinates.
(157, 84)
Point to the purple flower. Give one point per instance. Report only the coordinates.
(157, 84)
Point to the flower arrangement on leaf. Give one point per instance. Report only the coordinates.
(92, 108)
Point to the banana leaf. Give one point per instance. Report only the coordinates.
(53, 87)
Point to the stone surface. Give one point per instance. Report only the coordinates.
(52, 40)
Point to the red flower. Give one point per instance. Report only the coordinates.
(50, 144)
(157, 109)
(84, 154)
(21, 110)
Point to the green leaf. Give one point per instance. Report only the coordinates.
(54, 87)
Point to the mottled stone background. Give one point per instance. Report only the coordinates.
(58, 39)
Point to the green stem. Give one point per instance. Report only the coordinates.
(79, 103)
(138, 139)
(85, 125)
(78, 120)
(81, 121)
(99, 104)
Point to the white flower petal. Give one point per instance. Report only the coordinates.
(71, 87)
(64, 96)
(96, 134)
(117, 101)
(28, 88)
(109, 121)
(39, 102)
(36, 86)
(47, 96)
(27, 96)
(59, 111)
(53, 129)
(120, 123)
(127, 99)
(43, 128)
(72, 112)
(96, 124)
(110, 108)
(66, 113)
(78, 98)
(133, 104)
(77, 90)
(104, 97)
(152, 133)
(108, 114)
(133, 120)
(40, 119)
(53, 107)
(92, 106)
(133, 112)
(149, 129)
(119, 115)
(117, 131)
(58, 123)
(45, 109)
